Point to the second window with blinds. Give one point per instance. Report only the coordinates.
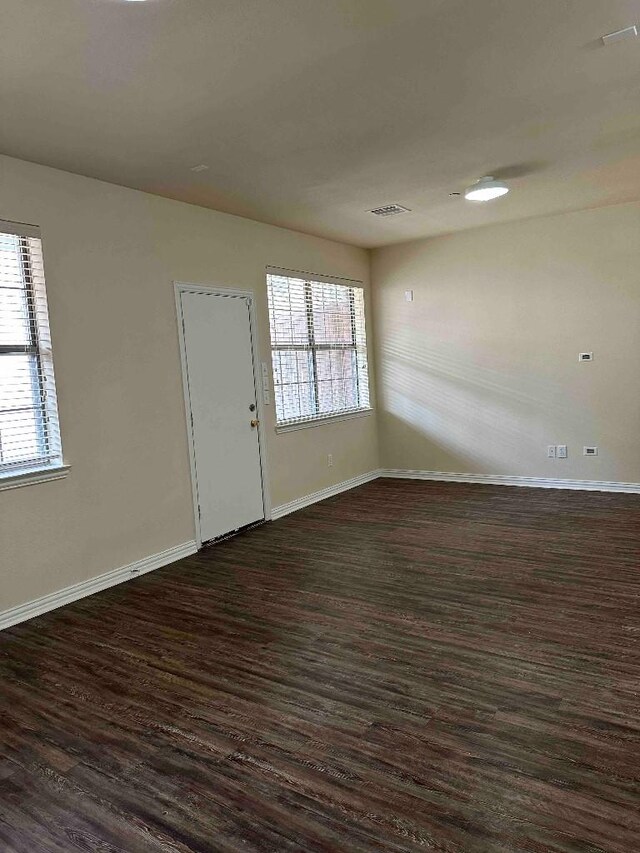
(318, 347)
(29, 431)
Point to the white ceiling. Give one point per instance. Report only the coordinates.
(311, 112)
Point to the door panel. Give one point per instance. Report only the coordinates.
(221, 389)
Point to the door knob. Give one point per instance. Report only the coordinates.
(255, 423)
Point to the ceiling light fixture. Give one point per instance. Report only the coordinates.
(485, 189)
(620, 35)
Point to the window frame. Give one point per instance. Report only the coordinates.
(48, 464)
(313, 348)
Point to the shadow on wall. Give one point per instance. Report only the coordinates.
(415, 449)
(444, 411)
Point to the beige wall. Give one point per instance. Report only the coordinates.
(111, 256)
(480, 373)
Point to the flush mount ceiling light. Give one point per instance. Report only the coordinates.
(620, 35)
(486, 189)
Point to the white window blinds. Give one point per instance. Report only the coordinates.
(318, 346)
(29, 431)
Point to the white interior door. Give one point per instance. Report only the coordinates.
(222, 397)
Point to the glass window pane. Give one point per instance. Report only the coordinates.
(11, 261)
(332, 306)
(18, 381)
(20, 436)
(28, 416)
(21, 427)
(337, 380)
(293, 384)
(14, 318)
(297, 401)
(288, 311)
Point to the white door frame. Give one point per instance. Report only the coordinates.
(181, 287)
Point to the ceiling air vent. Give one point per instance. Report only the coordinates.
(390, 210)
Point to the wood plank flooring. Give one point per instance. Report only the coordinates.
(409, 666)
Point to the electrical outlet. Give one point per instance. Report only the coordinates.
(551, 451)
(330, 460)
(561, 452)
(590, 451)
(585, 356)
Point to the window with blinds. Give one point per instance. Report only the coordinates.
(29, 431)
(318, 346)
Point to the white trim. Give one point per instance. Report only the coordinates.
(28, 478)
(181, 287)
(446, 477)
(85, 588)
(506, 480)
(324, 419)
(19, 229)
(330, 491)
(305, 275)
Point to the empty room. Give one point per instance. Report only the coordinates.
(320, 426)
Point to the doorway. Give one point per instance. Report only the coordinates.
(221, 382)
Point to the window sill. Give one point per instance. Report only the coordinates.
(329, 419)
(35, 475)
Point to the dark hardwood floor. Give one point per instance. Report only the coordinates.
(405, 667)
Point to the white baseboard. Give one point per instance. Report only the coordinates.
(506, 480)
(81, 590)
(447, 477)
(307, 500)
(156, 561)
